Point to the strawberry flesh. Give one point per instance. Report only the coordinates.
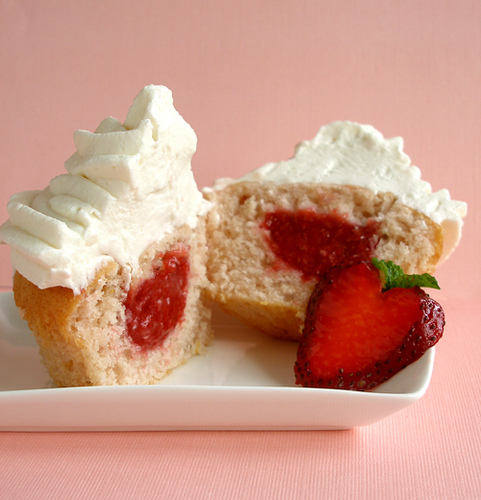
(312, 243)
(356, 336)
(156, 305)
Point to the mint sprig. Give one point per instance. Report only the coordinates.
(393, 276)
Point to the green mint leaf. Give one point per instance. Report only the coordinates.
(393, 276)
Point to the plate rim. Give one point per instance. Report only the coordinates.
(12, 401)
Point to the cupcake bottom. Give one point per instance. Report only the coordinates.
(124, 329)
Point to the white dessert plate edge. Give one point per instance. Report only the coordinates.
(244, 382)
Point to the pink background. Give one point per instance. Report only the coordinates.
(253, 78)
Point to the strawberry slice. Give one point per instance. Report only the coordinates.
(358, 334)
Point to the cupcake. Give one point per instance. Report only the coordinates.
(347, 195)
(110, 257)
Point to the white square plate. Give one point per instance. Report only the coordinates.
(244, 382)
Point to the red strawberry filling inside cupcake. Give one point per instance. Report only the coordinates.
(312, 243)
(156, 305)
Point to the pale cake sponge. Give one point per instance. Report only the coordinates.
(83, 338)
(247, 280)
(348, 171)
(110, 257)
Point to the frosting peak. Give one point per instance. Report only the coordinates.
(127, 186)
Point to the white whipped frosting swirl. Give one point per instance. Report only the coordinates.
(127, 186)
(350, 153)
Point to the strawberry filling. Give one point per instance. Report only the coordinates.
(312, 243)
(156, 305)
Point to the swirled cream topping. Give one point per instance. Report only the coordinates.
(355, 154)
(127, 186)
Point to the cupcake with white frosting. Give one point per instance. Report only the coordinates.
(347, 195)
(109, 259)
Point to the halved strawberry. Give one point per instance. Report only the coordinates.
(357, 334)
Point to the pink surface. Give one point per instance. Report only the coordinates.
(254, 78)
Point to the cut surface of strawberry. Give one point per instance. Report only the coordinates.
(357, 336)
(312, 243)
(156, 305)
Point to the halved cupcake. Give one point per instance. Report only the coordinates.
(110, 258)
(347, 195)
